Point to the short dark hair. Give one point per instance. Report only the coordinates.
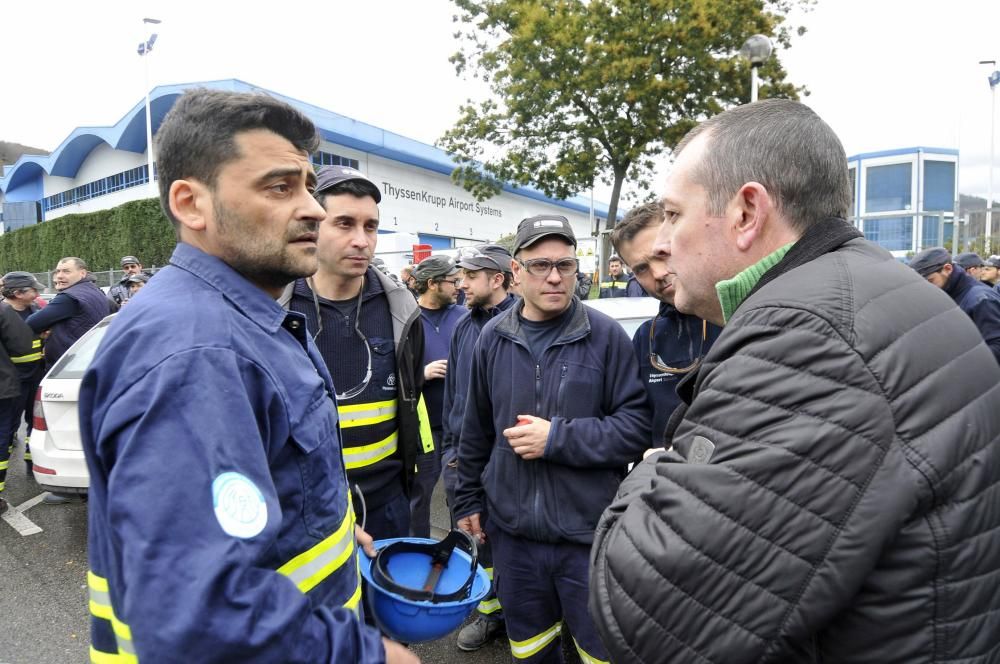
(78, 262)
(638, 218)
(197, 136)
(507, 276)
(785, 146)
(356, 188)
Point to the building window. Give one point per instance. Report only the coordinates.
(852, 175)
(939, 186)
(892, 233)
(888, 188)
(329, 159)
(133, 177)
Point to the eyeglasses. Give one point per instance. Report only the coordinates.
(658, 364)
(453, 282)
(363, 385)
(542, 267)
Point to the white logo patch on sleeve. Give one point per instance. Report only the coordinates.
(239, 505)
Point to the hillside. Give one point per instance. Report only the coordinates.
(9, 152)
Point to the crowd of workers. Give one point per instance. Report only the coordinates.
(812, 476)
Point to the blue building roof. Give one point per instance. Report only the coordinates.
(902, 151)
(23, 180)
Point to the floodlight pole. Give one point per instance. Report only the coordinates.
(144, 54)
(757, 49)
(994, 80)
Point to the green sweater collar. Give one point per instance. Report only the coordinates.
(733, 291)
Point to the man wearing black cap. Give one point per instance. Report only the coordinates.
(555, 412)
(15, 341)
(990, 274)
(486, 277)
(436, 280)
(121, 291)
(971, 262)
(20, 290)
(978, 300)
(367, 328)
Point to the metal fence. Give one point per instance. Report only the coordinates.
(105, 279)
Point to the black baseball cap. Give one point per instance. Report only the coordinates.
(992, 261)
(485, 257)
(930, 260)
(137, 279)
(435, 267)
(533, 229)
(130, 260)
(330, 176)
(16, 280)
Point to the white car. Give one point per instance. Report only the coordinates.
(56, 448)
(630, 312)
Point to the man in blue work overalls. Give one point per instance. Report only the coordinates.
(221, 525)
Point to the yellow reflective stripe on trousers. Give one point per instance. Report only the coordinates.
(585, 658)
(308, 569)
(490, 605)
(529, 647)
(366, 455)
(100, 607)
(363, 414)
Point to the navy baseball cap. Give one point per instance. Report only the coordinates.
(330, 176)
(435, 267)
(930, 260)
(969, 259)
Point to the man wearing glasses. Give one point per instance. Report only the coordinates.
(671, 344)
(367, 328)
(555, 411)
(436, 279)
(486, 279)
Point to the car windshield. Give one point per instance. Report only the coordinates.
(74, 363)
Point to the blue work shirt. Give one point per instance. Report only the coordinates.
(220, 521)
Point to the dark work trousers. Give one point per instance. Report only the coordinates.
(428, 471)
(540, 586)
(26, 407)
(9, 419)
(490, 606)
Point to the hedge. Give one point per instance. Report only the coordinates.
(101, 238)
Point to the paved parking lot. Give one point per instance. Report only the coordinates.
(43, 582)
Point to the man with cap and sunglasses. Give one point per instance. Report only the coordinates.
(555, 411)
(975, 298)
(122, 291)
(367, 328)
(20, 291)
(671, 345)
(486, 277)
(437, 281)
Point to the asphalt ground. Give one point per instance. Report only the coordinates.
(43, 582)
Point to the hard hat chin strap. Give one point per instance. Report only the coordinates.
(440, 555)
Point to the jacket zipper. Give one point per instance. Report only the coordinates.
(536, 499)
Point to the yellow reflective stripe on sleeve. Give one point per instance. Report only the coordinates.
(310, 568)
(100, 607)
(529, 647)
(24, 359)
(426, 437)
(363, 414)
(585, 658)
(4, 464)
(366, 455)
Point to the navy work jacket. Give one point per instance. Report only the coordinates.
(220, 520)
(587, 385)
(980, 302)
(677, 343)
(456, 381)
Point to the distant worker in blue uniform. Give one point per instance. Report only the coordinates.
(221, 525)
(616, 283)
(670, 345)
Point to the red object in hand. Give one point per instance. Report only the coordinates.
(521, 421)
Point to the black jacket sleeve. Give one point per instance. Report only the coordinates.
(16, 336)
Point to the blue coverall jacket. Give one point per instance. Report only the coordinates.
(220, 521)
(587, 385)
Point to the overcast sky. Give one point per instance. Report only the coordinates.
(885, 74)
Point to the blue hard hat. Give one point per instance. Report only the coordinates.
(421, 589)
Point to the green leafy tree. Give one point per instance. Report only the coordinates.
(586, 91)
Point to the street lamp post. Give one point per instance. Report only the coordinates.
(994, 81)
(145, 48)
(757, 49)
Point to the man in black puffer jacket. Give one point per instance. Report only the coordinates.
(831, 494)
